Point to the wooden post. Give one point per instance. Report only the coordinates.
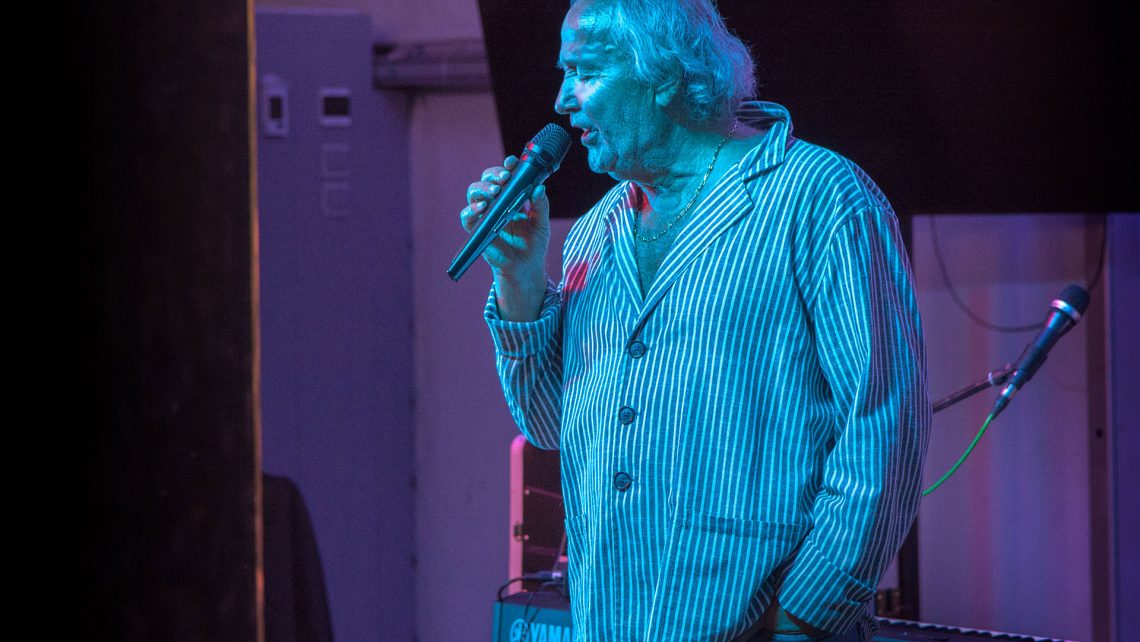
(147, 307)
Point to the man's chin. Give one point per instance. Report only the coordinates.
(598, 163)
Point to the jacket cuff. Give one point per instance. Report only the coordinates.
(519, 339)
(821, 594)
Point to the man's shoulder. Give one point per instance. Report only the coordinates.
(820, 162)
(830, 177)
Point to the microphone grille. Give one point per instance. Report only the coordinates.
(1077, 297)
(550, 145)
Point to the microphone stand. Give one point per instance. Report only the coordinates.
(993, 379)
(905, 598)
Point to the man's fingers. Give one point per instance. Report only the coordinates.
(472, 214)
(500, 174)
(467, 219)
(491, 182)
(540, 202)
(482, 193)
(495, 174)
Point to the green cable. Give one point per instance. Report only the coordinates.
(961, 459)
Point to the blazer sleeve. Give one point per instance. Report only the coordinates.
(528, 357)
(870, 346)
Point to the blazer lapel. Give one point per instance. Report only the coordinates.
(725, 205)
(619, 244)
(723, 208)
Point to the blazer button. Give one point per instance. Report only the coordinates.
(637, 349)
(626, 415)
(622, 482)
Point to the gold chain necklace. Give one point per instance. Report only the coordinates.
(692, 201)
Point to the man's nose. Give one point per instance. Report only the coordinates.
(565, 102)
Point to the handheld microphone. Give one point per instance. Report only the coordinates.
(1066, 312)
(540, 158)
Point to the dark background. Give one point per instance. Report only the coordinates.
(954, 107)
(142, 498)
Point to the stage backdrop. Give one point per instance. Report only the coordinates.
(965, 106)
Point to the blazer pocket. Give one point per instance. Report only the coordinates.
(579, 550)
(715, 570)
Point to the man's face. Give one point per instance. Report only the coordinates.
(614, 111)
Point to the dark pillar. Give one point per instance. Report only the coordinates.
(148, 376)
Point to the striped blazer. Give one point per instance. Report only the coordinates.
(753, 426)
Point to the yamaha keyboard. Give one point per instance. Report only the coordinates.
(545, 617)
(907, 630)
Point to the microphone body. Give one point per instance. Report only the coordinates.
(540, 158)
(1066, 311)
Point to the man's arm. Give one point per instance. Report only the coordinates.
(524, 311)
(519, 294)
(528, 357)
(869, 343)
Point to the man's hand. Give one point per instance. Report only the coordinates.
(777, 620)
(517, 256)
(524, 240)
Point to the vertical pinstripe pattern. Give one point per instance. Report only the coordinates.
(779, 412)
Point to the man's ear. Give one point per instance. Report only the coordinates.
(665, 93)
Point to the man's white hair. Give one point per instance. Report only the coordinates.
(684, 41)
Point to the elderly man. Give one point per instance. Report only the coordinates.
(732, 367)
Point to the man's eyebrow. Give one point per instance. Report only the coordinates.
(585, 60)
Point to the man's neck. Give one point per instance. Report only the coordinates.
(677, 167)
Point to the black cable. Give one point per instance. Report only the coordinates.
(1100, 260)
(561, 551)
(974, 316)
(558, 581)
(530, 620)
(499, 595)
(954, 294)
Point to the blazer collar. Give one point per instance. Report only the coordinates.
(721, 208)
